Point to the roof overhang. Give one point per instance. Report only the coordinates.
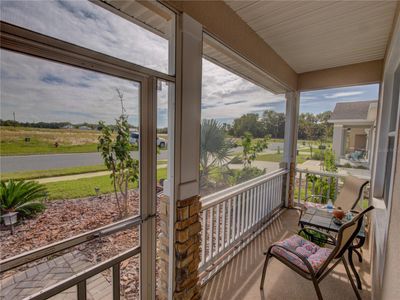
(318, 35)
(356, 74)
(221, 55)
(329, 43)
(222, 23)
(352, 122)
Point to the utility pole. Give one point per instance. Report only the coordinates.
(14, 115)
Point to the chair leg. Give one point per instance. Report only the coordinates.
(317, 289)
(267, 257)
(351, 279)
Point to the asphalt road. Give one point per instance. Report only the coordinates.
(55, 161)
(59, 161)
(272, 148)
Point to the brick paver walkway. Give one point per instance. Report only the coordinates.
(34, 279)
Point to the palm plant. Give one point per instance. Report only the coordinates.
(22, 197)
(215, 148)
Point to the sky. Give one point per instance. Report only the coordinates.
(40, 90)
(226, 96)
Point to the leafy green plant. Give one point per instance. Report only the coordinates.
(325, 186)
(114, 145)
(251, 149)
(330, 161)
(247, 173)
(22, 197)
(310, 145)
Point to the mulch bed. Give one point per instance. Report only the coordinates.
(67, 218)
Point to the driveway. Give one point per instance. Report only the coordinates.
(56, 161)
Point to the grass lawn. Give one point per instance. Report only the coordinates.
(38, 147)
(25, 175)
(42, 140)
(275, 157)
(85, 187)
(35, 174)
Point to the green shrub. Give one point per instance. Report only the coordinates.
(317, 155)
(248, 173)
(330, 161)
(22, 197)
(237, 160)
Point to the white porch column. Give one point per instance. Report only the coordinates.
(338, 140)
(372, 134)
(290, 144)
(368, 141)
(183, 210)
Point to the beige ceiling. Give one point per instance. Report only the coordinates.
(315, 35)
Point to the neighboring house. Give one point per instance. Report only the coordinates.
(353, 131)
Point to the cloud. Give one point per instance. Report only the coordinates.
(226, 96)
(88, 25)
(322, 100)
(343, 94)
(41, 90)
(52, 92)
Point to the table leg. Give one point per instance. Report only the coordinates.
(350, 253)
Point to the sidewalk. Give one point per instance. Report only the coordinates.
(79, 176)
(314, 165)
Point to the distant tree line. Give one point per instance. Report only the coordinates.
(53, 125)
(315, 126)
(311, 126)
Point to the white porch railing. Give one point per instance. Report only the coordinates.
(305, 186)
(233, 217)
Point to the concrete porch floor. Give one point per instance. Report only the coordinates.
(240, 278)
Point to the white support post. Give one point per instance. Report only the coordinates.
(169, 186)
(188, 108)
(339, 140)
(290, 144)
(148, 161)
(185, 201)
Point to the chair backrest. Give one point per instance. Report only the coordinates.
(348, 232)
(350, 193)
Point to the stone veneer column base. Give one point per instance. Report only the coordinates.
(292, 181)
(187, 248)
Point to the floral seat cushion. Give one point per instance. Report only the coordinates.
(315, 255)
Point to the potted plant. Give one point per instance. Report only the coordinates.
(20, 198)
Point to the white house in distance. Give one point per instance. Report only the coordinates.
(353, 131)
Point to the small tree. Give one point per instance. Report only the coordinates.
(310, 145)
(251, 149)
(115, 147)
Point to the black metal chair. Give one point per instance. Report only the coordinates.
(294, 253)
